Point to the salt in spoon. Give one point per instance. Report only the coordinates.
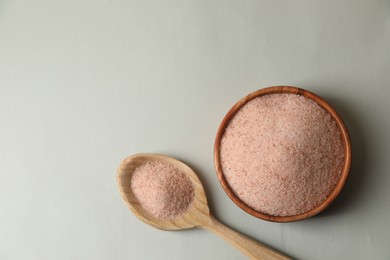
(197, 214)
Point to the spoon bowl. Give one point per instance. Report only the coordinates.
(197, 214)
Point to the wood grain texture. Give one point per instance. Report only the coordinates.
(248, 246)
(291, 90)
(198, 214)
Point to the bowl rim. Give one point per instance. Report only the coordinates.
(291, 90)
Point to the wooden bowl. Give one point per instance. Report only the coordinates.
(291, 90)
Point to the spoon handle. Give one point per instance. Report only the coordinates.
(252, 248)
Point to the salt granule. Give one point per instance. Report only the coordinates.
(162, 189)
(282, 154)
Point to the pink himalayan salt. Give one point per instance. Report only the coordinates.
(162, 189)
(282, 154)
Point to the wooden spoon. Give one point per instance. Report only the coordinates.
(198, 213)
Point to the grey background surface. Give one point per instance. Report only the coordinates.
(84, 84)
